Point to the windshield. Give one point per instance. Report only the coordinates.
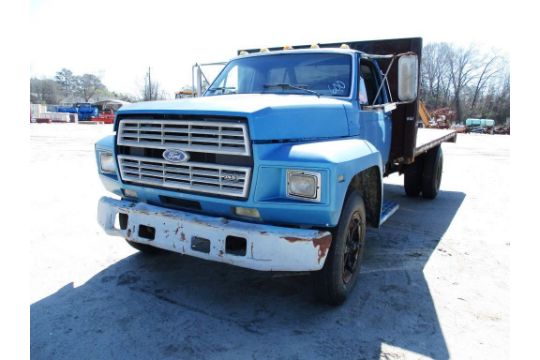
(325, 74)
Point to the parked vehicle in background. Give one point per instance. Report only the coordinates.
(438, 118)
(279, 166)
(188, 93)
(84, 111)
(502, 130)
(459, 128)
(480, 126)
(105, 116)
(107, 110)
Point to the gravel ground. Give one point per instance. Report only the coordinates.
(434, 283)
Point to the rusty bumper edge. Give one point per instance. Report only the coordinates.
(268, 248)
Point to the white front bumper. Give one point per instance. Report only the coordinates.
(269, 248)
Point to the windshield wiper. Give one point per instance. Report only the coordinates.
(290, 86)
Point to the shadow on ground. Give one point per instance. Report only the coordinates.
(173, 306)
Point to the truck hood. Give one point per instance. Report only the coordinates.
(271, 116)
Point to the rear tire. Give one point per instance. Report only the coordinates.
(432, 174)
(337, 278)
(145, 249)
(413, 177)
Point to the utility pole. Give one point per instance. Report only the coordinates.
(149, 85)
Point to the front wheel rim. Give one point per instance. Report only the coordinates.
(353, 248)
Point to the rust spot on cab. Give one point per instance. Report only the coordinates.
(323, 243)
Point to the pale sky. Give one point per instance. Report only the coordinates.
(117, 40)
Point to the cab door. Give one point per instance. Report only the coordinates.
(374, 124)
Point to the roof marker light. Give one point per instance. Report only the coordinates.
(243, 52)
(264, 50)
(314, 46)
(287, 47)
(344, 46)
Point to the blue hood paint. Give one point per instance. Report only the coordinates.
(270, 115)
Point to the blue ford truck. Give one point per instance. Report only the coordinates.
(279, 166)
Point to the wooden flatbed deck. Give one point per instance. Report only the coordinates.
(429, 138)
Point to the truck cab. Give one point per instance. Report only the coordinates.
(278, 167)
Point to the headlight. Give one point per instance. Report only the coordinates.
(304, 184)
(106, 162)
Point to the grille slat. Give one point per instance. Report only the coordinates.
(213, 137)
(191, 176)
(228, 149)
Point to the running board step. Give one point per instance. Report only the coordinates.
(389, 208)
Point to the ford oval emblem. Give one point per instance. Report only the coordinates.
(230, 178)
(175, 155)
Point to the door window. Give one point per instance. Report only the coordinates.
(371, 82)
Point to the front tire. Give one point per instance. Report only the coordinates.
(337, 278)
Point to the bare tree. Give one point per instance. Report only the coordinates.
(463, 65)
(499, 108)
(491, 68)
(44, 91)
(73, 88)
(66, 81)
(435, 74)
(152, 89)
(88, 85)
(473, 83)
(122, 96)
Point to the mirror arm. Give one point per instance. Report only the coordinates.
(388, 87)
(389, 56)
(391, 105)
(385, 80)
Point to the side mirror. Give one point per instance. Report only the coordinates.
(408, 78)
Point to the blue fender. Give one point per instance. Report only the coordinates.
(106, 143)
(344, 158)
(110, 181)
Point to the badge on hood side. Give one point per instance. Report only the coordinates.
(175, 155)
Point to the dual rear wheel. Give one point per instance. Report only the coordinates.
(424, 174)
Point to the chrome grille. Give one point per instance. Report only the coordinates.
(216, 137)
(191, 176)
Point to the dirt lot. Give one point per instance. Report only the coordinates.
(434, 284)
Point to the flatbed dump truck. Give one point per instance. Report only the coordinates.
(279, 166)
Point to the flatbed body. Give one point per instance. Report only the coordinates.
(427, 139)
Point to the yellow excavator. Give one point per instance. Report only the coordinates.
(442, 117)
(424, 115)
